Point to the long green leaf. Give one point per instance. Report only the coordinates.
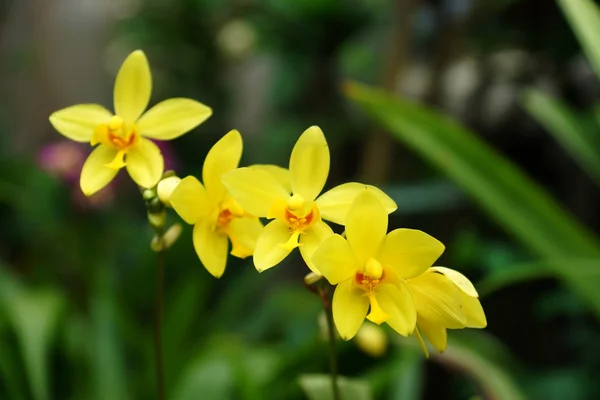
(568, 128)
(34, 316)
(504, 191)
(520, 273)
(484, 360)
(584, 18)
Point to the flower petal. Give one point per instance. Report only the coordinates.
(190, 201)
(243, 233)
(397, 302)
(95, 174)
(281, 174)
(172, 118)
(409, 252)
(309, 163)
(459, 280)
(335, 203)
(335, 260)
(211, 247)
(269, 250)
(366, 226)
(474, 311)
(438, 300)
(350, 307)
(254, 189)
(133, 87)
(311, 240)
(79, 122)
(145, 163)
(223, 157)
(435, 334)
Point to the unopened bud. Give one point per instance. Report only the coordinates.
(157, 219)
(371, 339)
(170, 237)
(165, 189)
(312, 278)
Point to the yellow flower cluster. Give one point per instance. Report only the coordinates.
(381, 276)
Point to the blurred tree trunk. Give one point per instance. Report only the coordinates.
(51, 56)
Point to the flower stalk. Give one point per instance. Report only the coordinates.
(324, 294)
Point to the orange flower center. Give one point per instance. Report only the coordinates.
(299, 223)
(119, 135)
(224, 218)
(368, 280)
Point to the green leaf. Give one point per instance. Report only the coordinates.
(209, 378)
(570, 129)
(34, 316)
(584, 18)
(318, 387)
(504, 191)
(106, 358)
(485, 361)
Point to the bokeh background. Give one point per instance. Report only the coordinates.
(77, 277)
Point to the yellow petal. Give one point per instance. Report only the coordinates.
(79, 122)
(311, 240)
(223, 157)
(268, 252)
(243, 233)
(421, 342)
(190, 201)
(459, 280)
(366, 226)
(172, 118)
(409, 252)
(254, 189)
(473, 311)
(396, 301)
(309, 163)
(335, 260)
(438, 300)
(95, 174)
(436, 334)
(145, 163)
(211, 247)
(281, 174)
(350, 307)
(133, 87)
(335, 203)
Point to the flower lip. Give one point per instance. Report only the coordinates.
(299, 223)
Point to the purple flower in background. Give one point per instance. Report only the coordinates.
(166, 148)
(64, 161)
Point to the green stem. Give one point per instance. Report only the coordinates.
(160, 378)
(332, 341)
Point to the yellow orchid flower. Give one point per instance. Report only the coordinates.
(445, 299)
(123, 138)
(370, 268)
(216, 217)
(298, 214)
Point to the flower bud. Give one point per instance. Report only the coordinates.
(312, 278)
(170, 237)
(371, 339)
(165, 189)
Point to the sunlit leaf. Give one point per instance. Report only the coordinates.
(584, 18)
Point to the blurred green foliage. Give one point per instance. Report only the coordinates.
(77, 281)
